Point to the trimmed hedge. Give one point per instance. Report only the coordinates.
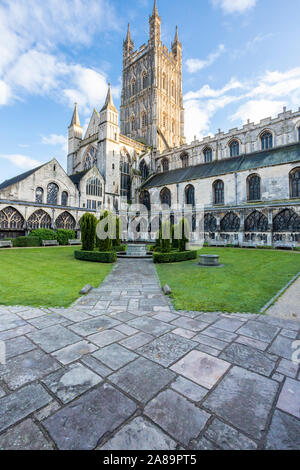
(119, 248)
(64, 235)
(96, 256)
(174, 257)
(43, 234)
(27, 241)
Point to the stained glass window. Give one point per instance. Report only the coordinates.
(234, 148)
(93, 187)
(254, 188)
(295, 183)
(207, 154)
(165, 164)
(218, 188)
(52, 194)
(64, 198)
(210, 223)
(165, 197)
(230, 223)
(185, 160)
(39, 193)
(256, 222)
(144, 170)
(190, 195)
(266, 141)
(90, 159)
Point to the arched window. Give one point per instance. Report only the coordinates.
(207, 154)
(190, 195)
(165, 197)
(286, 221)
(145, 199)
(254, 193)
(64, 198)
(133, 87)
(234, 147)
(144, 170)
(145, 80)
(11, 218)
(125, 177)
(52, 194)
(65, 221)
(210, 223)
(144, 119)
(39, 194)
(165, 164)
(218, 190)
(266, 140)
(39, 219)
(185, 160)
(295, 183)
(256, 222)
(230, 223)
(93, 187)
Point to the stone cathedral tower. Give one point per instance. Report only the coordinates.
(152, 103)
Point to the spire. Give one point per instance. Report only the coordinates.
(176, 39)
(128, 36)
(109, 101)
(75, 119)
(155, 11)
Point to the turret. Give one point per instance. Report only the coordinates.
(74, 138)
(176, 46)
(155, 24)
(128, 44)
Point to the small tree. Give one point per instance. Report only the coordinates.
(183, 229)
(107, 243)
(117, 241)
(158, 241)
(174, 241)
(88, 231)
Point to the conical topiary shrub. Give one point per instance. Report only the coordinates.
(88, 231)
(107, 243)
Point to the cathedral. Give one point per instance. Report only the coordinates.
(247, 180)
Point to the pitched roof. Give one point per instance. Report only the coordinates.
(276, 156)
(19, 178)
(76, 177)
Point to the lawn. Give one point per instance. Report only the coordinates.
(249, 279)
(48, 277)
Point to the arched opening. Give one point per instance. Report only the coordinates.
(89, 159)
(230, 223)
(207, 152)
(254, 190)
(210, 223)
(218, 192)
(286, 221)
(64, 198)
(266, 140)
(165, 197)
(65, 221)
(145, 199)
(234, 148)
(144, 170)
(165, 164)
(190, 195)
(256, 222)
(145, 80)
(52, 194)
(10, 218)
(39, 219)
(184, 159)
(39, 195)
(125, 175)
(295, 183)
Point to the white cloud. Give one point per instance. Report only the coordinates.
(21, 161)
(234, 6)
(56, 140)
(194, 65)
(32, 30)
(256, 110)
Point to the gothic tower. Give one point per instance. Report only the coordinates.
(152, 102)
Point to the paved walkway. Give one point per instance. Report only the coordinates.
(122, 370)
(288, 305)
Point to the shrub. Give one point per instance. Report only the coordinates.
(88, 231)
(27, 241)
(117, 241)
(174, 241)
(96, 256)
(43, 234)
(183, 228)
(174, 257)
(119, 248)
(63, 236)
(105, 245)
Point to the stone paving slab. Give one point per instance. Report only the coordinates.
(121, 369)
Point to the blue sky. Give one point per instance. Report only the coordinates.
(240, 61)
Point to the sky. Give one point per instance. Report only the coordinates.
(240, 62)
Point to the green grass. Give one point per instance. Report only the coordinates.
(49, 277)
(249, 279)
